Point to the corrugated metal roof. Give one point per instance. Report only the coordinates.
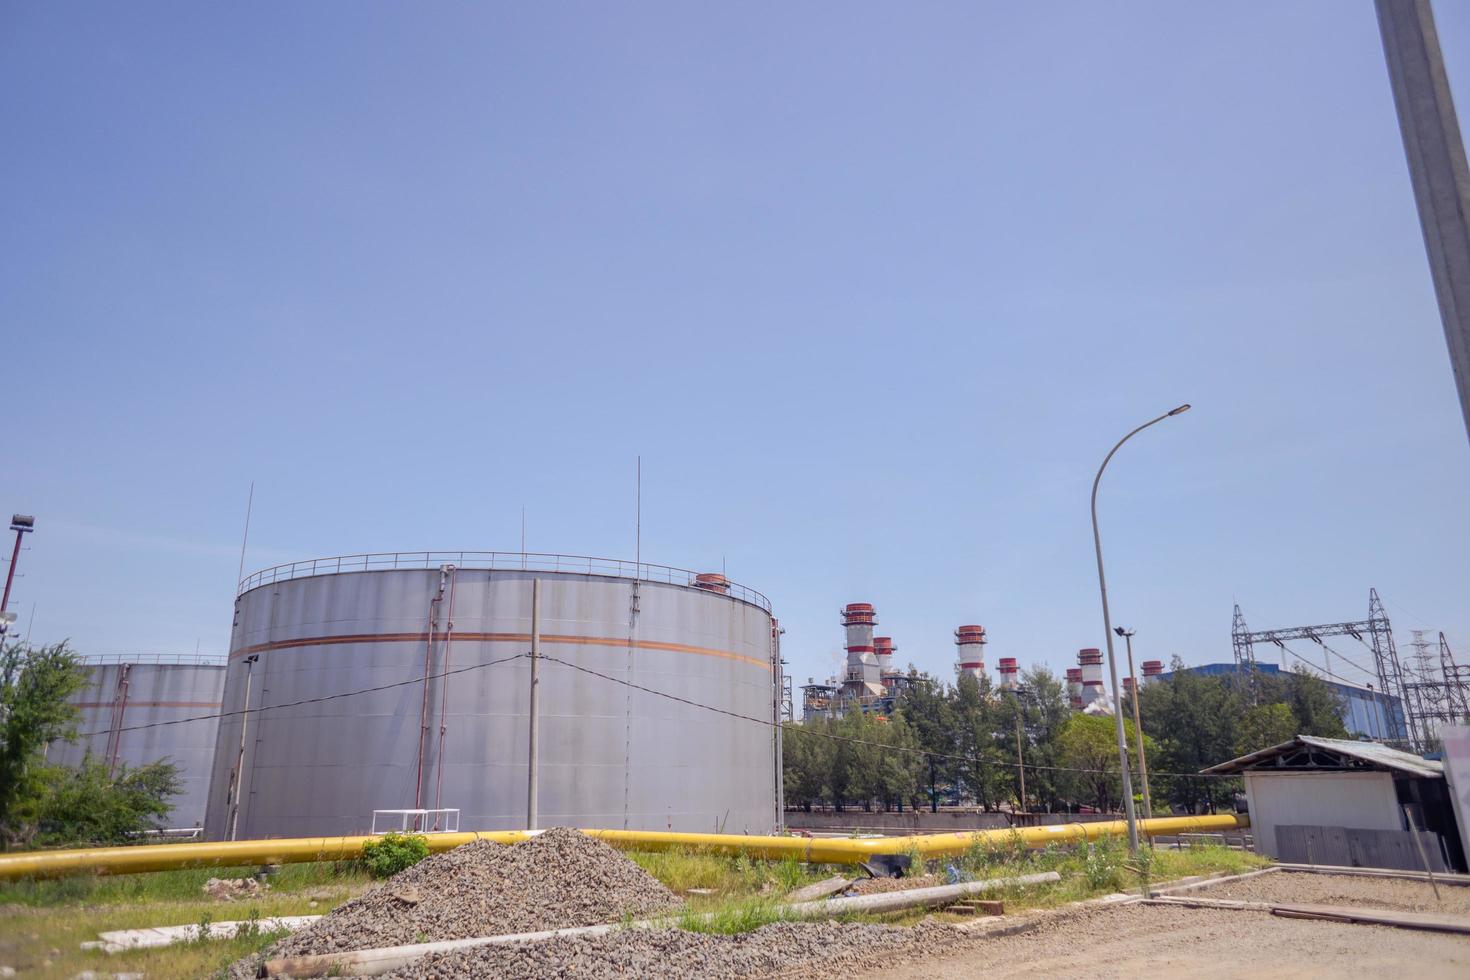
(1375, 754)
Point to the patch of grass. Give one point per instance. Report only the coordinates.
(728, 876)
(732, 917)
(185, 884)
(61, 914)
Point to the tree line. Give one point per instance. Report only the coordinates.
(969, 743)
(43, 804)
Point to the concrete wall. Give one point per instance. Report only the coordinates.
(1362, 800)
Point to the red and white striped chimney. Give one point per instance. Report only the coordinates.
(1151, 671)
(1007, 672)
(883, 650)
(1090, 660)
(1127, 687)
(969, 644)
(1074, 688)
(862, 660)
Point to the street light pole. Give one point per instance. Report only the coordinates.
(1102, 584)
(21, 524)
(1148, 804)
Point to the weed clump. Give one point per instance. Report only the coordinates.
(392, 853)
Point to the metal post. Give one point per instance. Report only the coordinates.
(1102, 584)
(1148, 805)
(1020, 758)
(240, 757)
(1437, 168)
(21, 524)
(532, 762)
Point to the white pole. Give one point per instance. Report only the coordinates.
(1102, 585)
(240, 757)
(532, 762)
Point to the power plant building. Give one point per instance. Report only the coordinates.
(137, 710)
(437, 644)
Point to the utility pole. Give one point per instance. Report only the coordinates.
(240, 756)
(1148, 806)
(1020, 756)
(533, 762)
(1437, 168)
(21, 524)
(1102, 588)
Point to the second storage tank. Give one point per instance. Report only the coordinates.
(137, 710)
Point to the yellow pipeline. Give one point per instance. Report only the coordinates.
(819, 850)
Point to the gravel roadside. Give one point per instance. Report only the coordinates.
(1135, 940)
(1358, 890)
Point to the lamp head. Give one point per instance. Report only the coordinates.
(1180, 410)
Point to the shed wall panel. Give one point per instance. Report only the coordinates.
(1365, 800)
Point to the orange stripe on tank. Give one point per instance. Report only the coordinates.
(460, 637)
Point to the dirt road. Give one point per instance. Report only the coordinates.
(1134, 940)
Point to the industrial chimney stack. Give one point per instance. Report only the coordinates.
(1074, 688)
(1007, 671)
(969, 644)
(862, 661)
(1151, 671)
(883, 651)
(1090, 661)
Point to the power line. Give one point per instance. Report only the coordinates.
(926, 753)
(802, 729)
(297, 704)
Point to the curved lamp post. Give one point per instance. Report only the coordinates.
(1102, 584)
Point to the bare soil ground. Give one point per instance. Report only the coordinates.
(1137, 940)
(1355, 890)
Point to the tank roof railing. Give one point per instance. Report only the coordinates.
(174, 659)
(494, 561)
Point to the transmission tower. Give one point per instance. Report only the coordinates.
(1457, 681)
(1441, 691)
(1375, 633)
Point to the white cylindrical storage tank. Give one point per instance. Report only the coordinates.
(134, 711)
(444, 645)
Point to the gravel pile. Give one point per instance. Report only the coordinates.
(556, 879)
(877, 886)
(786, 949)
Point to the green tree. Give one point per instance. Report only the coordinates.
(50, 804)
(1316, 707)
(929, 708)
(1088, 745)
(1263, 726)
(34, 686)
(806, 761)
(1046, 712)
(983, 771)
(1193, 719)
(87, 805)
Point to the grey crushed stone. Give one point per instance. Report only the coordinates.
(785, 949)
(557, 879)
(1354, 890)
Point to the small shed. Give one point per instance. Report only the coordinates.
(1341, 802)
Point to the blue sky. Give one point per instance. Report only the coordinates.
(871, 289)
